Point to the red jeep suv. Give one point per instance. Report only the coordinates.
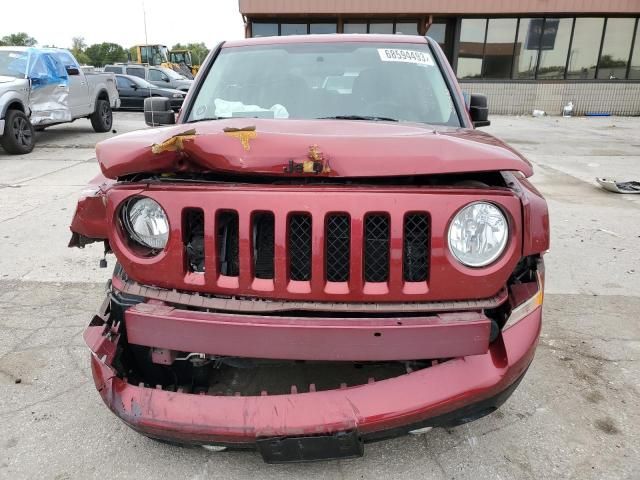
(320, 251)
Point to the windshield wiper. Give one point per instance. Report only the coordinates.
(359, 117)
(205, 119)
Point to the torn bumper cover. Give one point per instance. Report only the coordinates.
(448, 393)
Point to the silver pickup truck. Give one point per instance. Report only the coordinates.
(40, 87)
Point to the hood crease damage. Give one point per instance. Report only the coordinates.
(293, 148)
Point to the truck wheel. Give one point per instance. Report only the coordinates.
(19, 136)
(102, 118)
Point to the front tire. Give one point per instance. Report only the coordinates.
(19, 134)
(102, 118)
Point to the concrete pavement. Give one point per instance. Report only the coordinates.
(575, 415)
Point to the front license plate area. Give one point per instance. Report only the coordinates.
(312, 448)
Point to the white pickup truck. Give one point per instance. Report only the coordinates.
(40, 87)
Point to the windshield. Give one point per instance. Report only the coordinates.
(173, 74)
(360, 80)
(164, 52)
(180, 57)
(13, 63)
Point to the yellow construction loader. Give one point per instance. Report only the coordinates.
(183, 57)
(158, 56)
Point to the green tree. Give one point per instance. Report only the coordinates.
(199, 51)
(101, 54)
(78, 45)
(83, 58)
(78, 48)
(20, 39)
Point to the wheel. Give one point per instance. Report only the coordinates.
(19, 136)
(102, 118)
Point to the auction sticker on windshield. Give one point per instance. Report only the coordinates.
(407, 56)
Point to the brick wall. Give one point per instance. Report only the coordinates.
(513, 98)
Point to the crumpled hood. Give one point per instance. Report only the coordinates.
(272, 147)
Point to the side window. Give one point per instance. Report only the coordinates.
(144, 54)
(156, 75)
(135, 71)
(67, 60)
(55, 66)
(123, 82)
(39, 68)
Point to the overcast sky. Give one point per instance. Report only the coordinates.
(121, 21)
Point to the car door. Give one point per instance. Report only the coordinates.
(126, 92)
(49, 90)
(78, 87)
(140, 94)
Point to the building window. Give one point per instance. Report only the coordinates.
(293, 29)
(527, 46)
(407, 28)
(472, 37)
(585, 46)
(438, 31)
(404, 27)
(547, 48)
(355, 28)
(634, 70)
(264, 29)
(498, 51)
(381, 27)
(554, 48)
(616, 48)
(323, 28)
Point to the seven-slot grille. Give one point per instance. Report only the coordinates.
(337, 238)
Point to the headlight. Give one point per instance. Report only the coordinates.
(478, 234)
(178, 95)
(146, 222)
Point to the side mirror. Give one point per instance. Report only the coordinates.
(134, 86)
(157, 111)
(166, 79)
(71, 70)
(478, 110)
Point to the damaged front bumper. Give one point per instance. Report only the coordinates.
(312, 425)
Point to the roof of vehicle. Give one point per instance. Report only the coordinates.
(333, 38)
(124, 75)
(132, 77)
(35, 49)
